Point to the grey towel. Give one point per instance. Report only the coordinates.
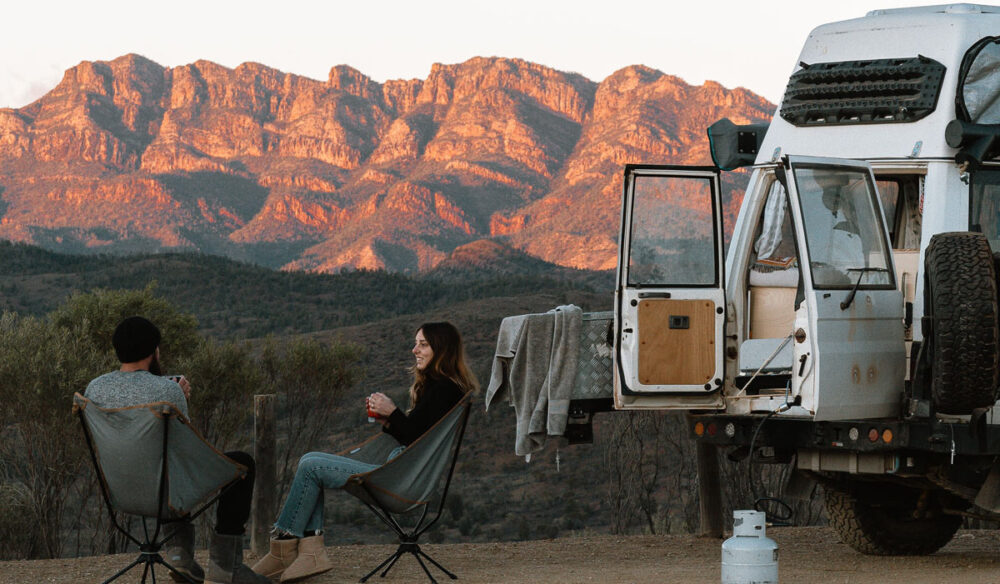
(535, 364)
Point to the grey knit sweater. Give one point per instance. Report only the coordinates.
(120, 389)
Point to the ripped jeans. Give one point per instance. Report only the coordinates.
(317, 471)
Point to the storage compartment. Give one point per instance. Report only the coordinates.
(592, 390)
(595, 368)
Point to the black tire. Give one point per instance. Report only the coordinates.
(961, 299)
(890, 520)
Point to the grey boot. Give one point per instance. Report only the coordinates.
(225, 562)
(180, 553)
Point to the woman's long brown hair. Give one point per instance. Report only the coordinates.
(448, 360)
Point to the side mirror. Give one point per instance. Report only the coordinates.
(735, 146)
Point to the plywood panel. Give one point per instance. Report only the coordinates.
(676, 356)
(772, 312)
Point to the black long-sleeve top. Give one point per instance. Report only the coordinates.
(440, 395)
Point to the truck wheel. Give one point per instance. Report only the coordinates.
(890, 520)
(961, 298)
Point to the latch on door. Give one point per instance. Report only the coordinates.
(680, 322)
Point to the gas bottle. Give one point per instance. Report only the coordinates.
(749, 557)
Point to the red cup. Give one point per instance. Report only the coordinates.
(372, 416)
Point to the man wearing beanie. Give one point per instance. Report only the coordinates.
(136, 341)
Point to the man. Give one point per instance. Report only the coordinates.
(138, 381)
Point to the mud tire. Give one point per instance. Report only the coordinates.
(883, 520)
(961, 299)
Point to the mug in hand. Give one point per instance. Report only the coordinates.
(372, 415)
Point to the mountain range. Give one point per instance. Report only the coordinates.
(129, 156)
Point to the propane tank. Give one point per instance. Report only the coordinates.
(749, 557)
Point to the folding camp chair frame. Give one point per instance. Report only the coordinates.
(408, 537)
(149, 550)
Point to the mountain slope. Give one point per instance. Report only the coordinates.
(286, 171)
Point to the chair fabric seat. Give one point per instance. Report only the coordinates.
(153, 464)
(410, 479)
(129, 442)
(416, 479)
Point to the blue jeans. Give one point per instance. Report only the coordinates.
(317, 471)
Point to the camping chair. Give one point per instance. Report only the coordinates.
(152, 463)
(416, 479)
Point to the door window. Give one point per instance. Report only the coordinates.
(775, 242)
(889, 192)
(900, 196)
(673, 236)
(844, 235)
(984, 211)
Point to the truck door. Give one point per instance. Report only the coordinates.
(852, 356)
(669, 297)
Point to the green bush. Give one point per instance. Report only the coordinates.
(44, 466)
(96, 314)
(16, 543)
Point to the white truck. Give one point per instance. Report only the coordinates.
(851, 329)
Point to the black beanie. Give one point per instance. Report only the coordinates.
(135, 339)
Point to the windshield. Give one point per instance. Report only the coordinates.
(843, 227)
(673, 236)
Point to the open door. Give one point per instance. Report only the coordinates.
(669, 298)
(851, 362)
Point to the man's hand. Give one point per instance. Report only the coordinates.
(184, 383)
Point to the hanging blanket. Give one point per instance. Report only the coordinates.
(535, 365)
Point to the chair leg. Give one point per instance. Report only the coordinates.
(409, 548)
(433, 561)
(149, 561)
(392, 558)
(399, 553)
(424, 566)
(124, 570)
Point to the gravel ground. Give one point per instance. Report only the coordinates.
(806, 554)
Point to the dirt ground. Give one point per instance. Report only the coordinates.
(806, 554)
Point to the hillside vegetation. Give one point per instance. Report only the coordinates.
(638, 476)
(234, 299)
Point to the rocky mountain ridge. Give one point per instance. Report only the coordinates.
(261, 165)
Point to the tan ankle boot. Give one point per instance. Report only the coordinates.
(281, 555)
(311, 560)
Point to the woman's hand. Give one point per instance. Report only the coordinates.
(382, 405)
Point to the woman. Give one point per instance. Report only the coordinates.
(440, 379)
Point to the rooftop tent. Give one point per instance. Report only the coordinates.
(977, 104)
(978, 98)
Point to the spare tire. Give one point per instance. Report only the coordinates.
(960, 296)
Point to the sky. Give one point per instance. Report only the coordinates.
(751, 44)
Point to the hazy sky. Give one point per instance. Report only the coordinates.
(752, 44)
